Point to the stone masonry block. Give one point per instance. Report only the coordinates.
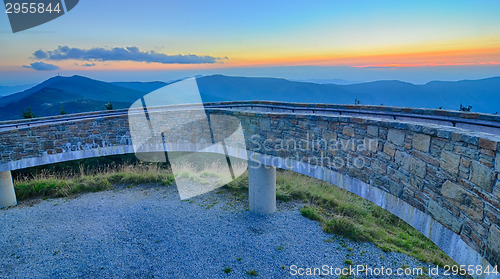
(401, 158)
(421, 142)
(372, 131)
(379, 167)
(348, 131)
(497, 163)
(417, 167)
(482, 176)
(389, 149)
(449, 162)
(265, 124)
(493, 245)
(47, 145)
(370, 145)
(407, 162)
(396, 136)
(444, 216)
(496, 189)
(466, 201)
(488, 144)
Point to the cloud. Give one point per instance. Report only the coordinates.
(122, 54)
(41, 66)
(88, 65)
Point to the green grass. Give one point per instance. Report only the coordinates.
(311, 212)
(348, 215)
(65, 185)
(252, 273)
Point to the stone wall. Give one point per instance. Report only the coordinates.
(51, 143)
(444, 172)
(449, 173)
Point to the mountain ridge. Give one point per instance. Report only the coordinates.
(80, 94)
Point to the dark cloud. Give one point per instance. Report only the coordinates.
(41, 66)
(88, 65)
(122, 54)
(40, 54)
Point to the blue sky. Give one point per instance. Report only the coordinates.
(353, 40)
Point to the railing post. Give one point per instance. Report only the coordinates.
(262, 188)
(7, 193)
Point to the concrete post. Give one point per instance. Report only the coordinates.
(262, 188)
(7, 193)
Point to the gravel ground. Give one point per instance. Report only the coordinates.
(147, 232)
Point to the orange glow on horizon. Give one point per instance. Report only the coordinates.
(455, 57)
(488, 56)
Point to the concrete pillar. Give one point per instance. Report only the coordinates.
(262, 188)
(7, 193)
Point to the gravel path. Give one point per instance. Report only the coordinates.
(147, 232)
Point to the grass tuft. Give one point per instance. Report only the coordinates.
(311, 212)
(343, 226)
(252, 273)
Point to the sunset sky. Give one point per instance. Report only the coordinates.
(352, 40)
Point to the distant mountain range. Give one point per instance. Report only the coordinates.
(81, 94)
(328, 81)
(483, 95)
(7, 90)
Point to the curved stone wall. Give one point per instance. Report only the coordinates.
(421, 173)
(441, 180)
